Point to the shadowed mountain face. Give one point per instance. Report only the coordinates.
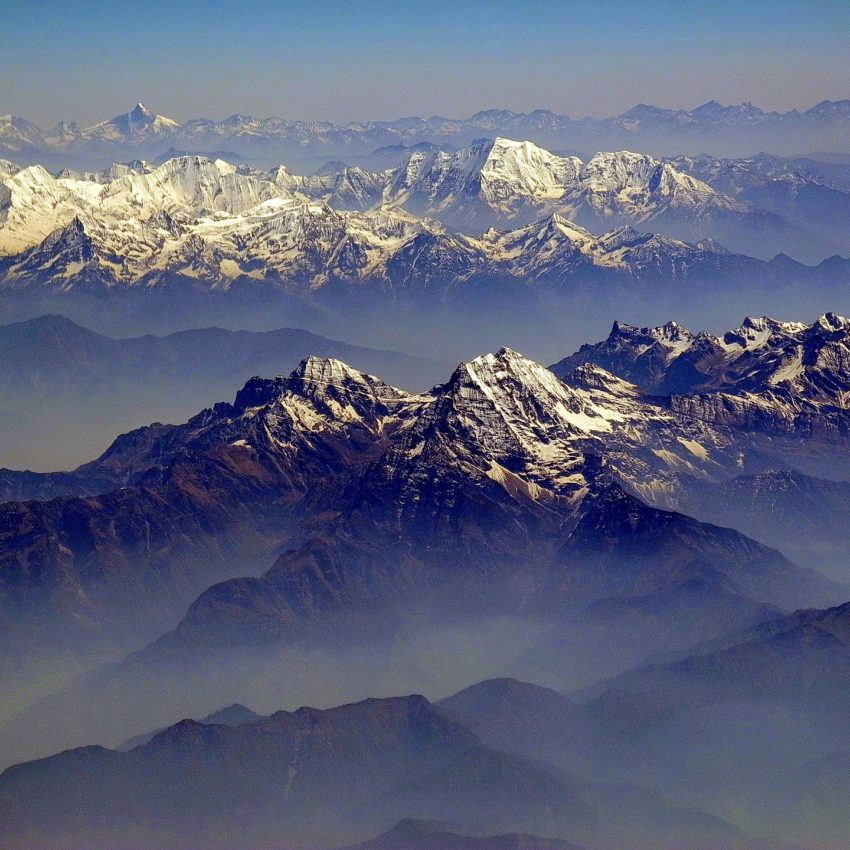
(789, 364)
(194, 503)
(802, 656)
(411, 834)
(810, 194)
(504, 493)
(507, 521)
(231, 715)
(752, 728)
(315, 778)
(782, 382)
(752, 724)
(296, 777)
(798, 514)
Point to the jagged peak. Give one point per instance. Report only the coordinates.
(621, 156)
(670, 331)
(589, 376)
(517, 144)
(620, 328)
(498, 375)
(761, 326)
(141, 111)
(32, 174)
(8, 168)
(560, 219)
(189, 161)
(258, 392)
(72, 235)
(328, 370)
(565, 226)
(321, 376)
(335, 393)
(709, 105)
(832, 322)
(622, 236)
(504, 360)
(75, 227)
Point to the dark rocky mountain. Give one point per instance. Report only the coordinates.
(183, 506)
(782, 382)
(58, 373)
(783, 378)
(495, 495)
(798, 514)
(784, 680)
(231, 715)
(411, 834)
(711, 729)
(803, 656)
(516, 716)
(315, 778)
(762, 354)
(295, 778)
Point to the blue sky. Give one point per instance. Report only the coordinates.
(359, 60)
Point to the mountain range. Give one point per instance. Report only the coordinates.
(310, 778)
(67, 390)
(328, 537)
(778, 378)
(725, 130)
(554, 500)
(605, 767)
(197, 224)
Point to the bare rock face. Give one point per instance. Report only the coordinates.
(784, 378)
(497, 464)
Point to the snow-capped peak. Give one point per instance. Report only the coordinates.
(321, 397)
(531, 403)
(523, 168)
(510, 420)
(640, 186)
(832, 322)
(342, 394)
(137, 124)
(320, 373)
(786, 368)
(671, 332)
(141, 112)
(757, 330)
(488, 179)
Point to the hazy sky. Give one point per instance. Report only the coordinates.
(357, 60)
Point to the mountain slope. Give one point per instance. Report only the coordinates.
(62, 378)
(195, 222)
(495, 495)
(314, 777)
(781, 378)
(800, 515)
(733, 130)
(411, 834)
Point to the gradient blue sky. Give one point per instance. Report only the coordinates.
(89, 60)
